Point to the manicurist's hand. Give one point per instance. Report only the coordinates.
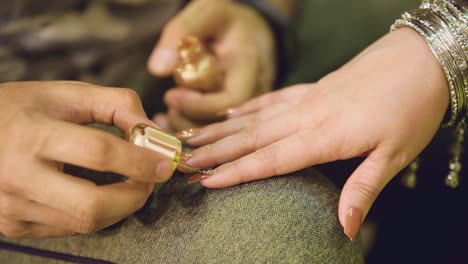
(41, 129)
(242, 42)
(386, 104)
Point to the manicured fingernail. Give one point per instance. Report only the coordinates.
(163, 60)
(198, 177)
(228, 113)
(187, 133)
(164, 169)
(353, 222)
(185, 156)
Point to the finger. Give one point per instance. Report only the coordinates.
(282, 96)
(240, 85)
(361, 190)
(200, 19)
(86, 104)
(281, 157)
(258, 135)
(19, 209)
(162, 121)
(214, 132)
(94, 149)
(179, 122)
(20, 229)
(95, 207)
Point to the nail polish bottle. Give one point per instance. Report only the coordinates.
(198, 68)
(166, 144)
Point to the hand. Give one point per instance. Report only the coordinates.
(40, 130)
(386, 104)
(242, 42)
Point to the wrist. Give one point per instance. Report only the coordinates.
(432, 76)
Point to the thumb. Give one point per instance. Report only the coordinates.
(200, 19)
(361, 191)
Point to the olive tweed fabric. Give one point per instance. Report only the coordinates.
(287, 219)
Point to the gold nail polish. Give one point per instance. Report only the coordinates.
(198, 68)
(198, 177)
(157, 140)
(187, 133)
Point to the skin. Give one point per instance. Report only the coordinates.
(41, 128)
(385, 104)
(241, 40)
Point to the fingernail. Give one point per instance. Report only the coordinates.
(164, 169)
(162, 121)
(163, 60)
(185, 156)
(187, 133)
(228, 113)
(353, 222)
(198, 177)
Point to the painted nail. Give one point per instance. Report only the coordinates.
(187, 133)
(185, 156)
(352, 222)
(228, 113)
(198, 177)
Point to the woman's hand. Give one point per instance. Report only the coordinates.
(41, 129)
(386, 104)
(241, 40)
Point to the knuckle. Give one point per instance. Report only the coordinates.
(8, 207)
(249, 138)
(365, 190)
(208, 150)
(68, 84)
(130, 97)
(11, 184)
(100, 152)
(88, 215)
(141, 171)
(253, 120)
(19, 124)
(87, 223)
(14, 230)
(237, 166)
(400, 160)
(267, 154)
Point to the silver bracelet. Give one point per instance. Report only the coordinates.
(443, 24)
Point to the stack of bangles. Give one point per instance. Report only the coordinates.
(443, 24)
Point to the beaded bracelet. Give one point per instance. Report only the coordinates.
(443, 24)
